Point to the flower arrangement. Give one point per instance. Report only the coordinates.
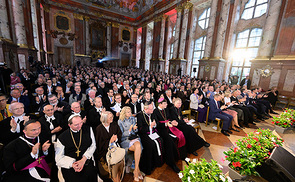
(199, 171)
(286, 119)
(251, 151)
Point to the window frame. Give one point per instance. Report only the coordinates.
(254, 9)
(202, 51)
(207, 17)
(243, 66)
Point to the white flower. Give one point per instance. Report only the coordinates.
(187, 159)
(222, 178)
(220, 166)
(192, 171)
(194, 160)
(189, 179)
(229, 179)
(180, 175)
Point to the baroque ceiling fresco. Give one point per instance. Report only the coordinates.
(131, 8)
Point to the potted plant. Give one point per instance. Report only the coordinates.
(251, 152)
(284, 121)
(199, 171)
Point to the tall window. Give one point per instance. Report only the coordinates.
(174, 31)
(246, 49)
(204, 19)
(254, 9)
(198, 54)
(171, 50)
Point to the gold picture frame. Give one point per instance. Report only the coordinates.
(62, 22)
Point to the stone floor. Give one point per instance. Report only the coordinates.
(219, 144)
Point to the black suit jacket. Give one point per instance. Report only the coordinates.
(45, 130)
(137, 105)
(6, 136)
(93, 118)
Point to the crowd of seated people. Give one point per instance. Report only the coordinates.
(69, 116)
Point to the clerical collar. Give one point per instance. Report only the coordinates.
(49, 117)
(74, 131)
(149, 115)
(79, 113)
(29, 137)
(160, 108)
(16, 118)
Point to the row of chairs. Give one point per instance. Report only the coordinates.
(196, 125)
(285, 102)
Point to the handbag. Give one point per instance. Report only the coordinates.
(115, 155)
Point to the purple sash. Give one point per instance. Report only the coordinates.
(41, 163)
(177, 133)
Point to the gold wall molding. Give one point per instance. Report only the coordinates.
(82, 55)
(115, 25)
(188, 5)
(23, 46)
(63, 14)
(179, 8)
(78, 16)
(86, 18)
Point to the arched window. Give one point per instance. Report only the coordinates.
(246, 49)
(254, 9)
(204, 19)
(198, 54)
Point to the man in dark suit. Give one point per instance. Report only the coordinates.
(12, 127)
(15, 96)
(134, 105)
(39, 100)
(76, 109)
(215, 111)
(246, 81)
(205, 99)
(109, 100)
(93, 116)
(169, 98)
(59, 106)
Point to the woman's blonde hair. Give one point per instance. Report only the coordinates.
(104, 116)
(123, 112)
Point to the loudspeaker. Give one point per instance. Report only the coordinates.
(195, 70)
(279, 167)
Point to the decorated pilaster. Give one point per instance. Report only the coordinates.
(187, 12)
(48, 46)
(179, 10)
(109, 38)
(20, 31)
(4, 24)
(157, 64)
(39, 32)
(268, 29)
(143, 47)
(210, 31)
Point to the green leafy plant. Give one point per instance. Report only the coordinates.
(199, 171)
(251, 151)
(286, 119)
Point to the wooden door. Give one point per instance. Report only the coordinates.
(64, 55)
(125, 58)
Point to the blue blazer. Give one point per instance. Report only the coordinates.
(213, 111)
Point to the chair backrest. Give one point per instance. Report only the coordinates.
(282, 97)
(207, 116)
(187, 112)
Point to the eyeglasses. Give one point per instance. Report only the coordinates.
(49, 110)
(2, 100)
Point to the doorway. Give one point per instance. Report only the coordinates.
(125, 58)
(64, 55)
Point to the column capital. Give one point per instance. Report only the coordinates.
(98, 14)
(158, 18)
(116, 25)
(86, 18)
(179, 8)
(109, 24)
(46, 7)
(188, 5)
(78, 16)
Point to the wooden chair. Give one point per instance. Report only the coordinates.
(216, 119)
(188, 113)
(291, 104)
(282, 101)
